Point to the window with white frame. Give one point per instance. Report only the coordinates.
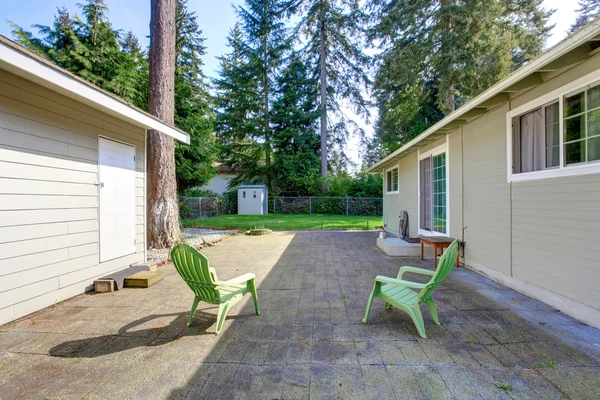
(536, 144)
(392, 180)
(433, 193)
(557, 138)
(582, 126)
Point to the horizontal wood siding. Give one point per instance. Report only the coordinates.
(455, 183)
(409, 195)
(48, 200)
(556, 236)
(486, 192)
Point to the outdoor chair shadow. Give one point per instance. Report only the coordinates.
(155, 334)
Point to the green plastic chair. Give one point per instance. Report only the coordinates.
(399, 293)
(194, 269)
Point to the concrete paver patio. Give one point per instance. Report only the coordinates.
(308, 342)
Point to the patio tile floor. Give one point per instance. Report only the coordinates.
(308, 342)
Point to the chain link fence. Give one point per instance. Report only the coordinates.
(361, 206)
(204, 207)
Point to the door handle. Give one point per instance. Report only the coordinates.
(99, 184)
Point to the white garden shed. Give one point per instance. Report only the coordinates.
(72, 182)
(253, 200)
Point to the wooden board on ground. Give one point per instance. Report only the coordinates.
(143, 279)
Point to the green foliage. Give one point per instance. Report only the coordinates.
(92, 49)
(230, 202)
(237, 103)
(503, 386)
(199, 192)
(331, 30)
(360, 185)
(246, 89)
(435, 55)
(295, 169)
(547, 364)
(588, 10)
(193, 111)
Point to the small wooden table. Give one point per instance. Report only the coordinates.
(437, 242)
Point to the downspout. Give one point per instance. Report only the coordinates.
(510, 201)
(462, 197)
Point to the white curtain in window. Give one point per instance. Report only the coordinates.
(533, 141)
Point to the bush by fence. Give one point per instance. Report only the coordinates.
(200, 207)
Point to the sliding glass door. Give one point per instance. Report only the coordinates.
(433, 200)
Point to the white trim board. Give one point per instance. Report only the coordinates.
(19, 62)
(557, 94)
(397, 191)
(443, 148)
(573, 308)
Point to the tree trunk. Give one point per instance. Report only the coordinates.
(323, 84)
(163, 208)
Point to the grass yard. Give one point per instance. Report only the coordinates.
(285, 222)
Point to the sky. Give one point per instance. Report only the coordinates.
(215, 17)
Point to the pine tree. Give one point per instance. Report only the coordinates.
(266, 42)
(587, 11)
(330, 31)
(238, 104)
(193, 111)
(436, 54)
(295, 169)
(90, 48)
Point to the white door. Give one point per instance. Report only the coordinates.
(116, 172)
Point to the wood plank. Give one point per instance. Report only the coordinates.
(143, 279)
(45, 202)
(29, 217)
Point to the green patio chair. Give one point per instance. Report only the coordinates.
(399, 293)
(202, 279)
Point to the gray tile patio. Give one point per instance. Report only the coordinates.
(308, 342)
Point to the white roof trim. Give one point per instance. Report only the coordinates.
(54, 78)
(579, 38)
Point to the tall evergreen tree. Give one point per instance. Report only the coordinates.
(436, 54)
(330, 31)
(90, 48)
(238, 103)
(588, 10)
(295, 168)
(259, 43)
(193, 110)
(265, 42)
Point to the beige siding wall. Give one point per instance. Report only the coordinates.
(556, 236)
(48, 200)
(486, 192)
(541, 236)
(390, 205)
(409, 190)
(455, 183)
(556, 222)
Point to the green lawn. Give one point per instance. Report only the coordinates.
(284, 222)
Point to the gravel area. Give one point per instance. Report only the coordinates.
(194, 237)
